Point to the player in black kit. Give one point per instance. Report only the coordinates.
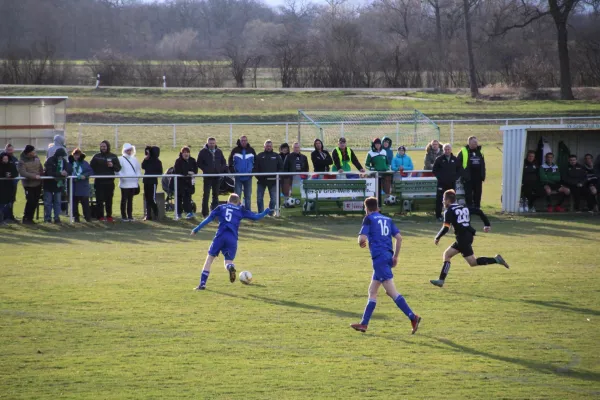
(459, 217)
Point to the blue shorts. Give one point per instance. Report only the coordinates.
(225, 244)
(382, 268)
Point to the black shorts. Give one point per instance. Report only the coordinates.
(464, 244)
(554, 186)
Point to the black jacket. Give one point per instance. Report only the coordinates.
(267, 161)
(152, 166)
(99, 166)
(338, 163)
(290, 163)
(7, 187)
(466, 171)
(321, 160)
(51, 169)
(531, 173)
(211, 162)
(575, 175)
(183, 167)
(447, 171)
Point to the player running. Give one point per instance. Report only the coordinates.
(460, 218)
(230, 216)
(378, 230)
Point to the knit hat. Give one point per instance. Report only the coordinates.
(376, 141)
(402, 148)
(28, 149)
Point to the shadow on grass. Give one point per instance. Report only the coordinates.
(301, 306)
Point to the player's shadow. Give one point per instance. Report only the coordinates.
(535, 365)
(302, 306)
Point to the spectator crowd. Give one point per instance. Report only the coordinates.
(547, 180)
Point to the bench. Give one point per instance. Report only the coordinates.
(413, 191)
(327, 189)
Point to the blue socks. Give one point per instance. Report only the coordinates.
(204, 277)
(368, 312)
(401, 303)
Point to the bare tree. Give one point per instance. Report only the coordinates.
(471, 58)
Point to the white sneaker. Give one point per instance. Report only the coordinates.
(521, 209)
(532, 210)
(526, 207)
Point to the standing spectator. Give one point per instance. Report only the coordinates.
(575, 178)
(129, 186)
(57, 167)
(105, 163)
(402, 162)
(241, 160)
(152, 166)
(9, 149)
(320, 157)
(30, 168)
(550, 179)
(343, 156)
(82, 171)
(530, 182)
(294, 162)
(432, 152)
(211, 161)
(473, 172)
(267, 161)
(447, 170)
(7, 171)
(592, 182)
(284, 150)
(186, 167)
(58, 143)
(387, 146)
(377, 161)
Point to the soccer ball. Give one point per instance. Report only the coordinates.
(291, 202)
(245, 277)
(391, 200)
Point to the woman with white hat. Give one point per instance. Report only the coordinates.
(129, 186)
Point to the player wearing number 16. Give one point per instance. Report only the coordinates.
(459, 217)
(230, 216)
(378, 230)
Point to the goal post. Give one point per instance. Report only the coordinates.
(410, 128)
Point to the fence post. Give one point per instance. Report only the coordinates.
(287, 131)
(79, 137)
(506, 122)
(377, 190)
(415, 128)
(71, 198)
(277, 197)
(561, 120)
(230, 135)
(174, 136)
(452, 133)
(397, 133)
(116, 136)
(176, 201)
(342, 130)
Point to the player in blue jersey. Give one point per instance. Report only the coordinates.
(230, 216)
(378, 230)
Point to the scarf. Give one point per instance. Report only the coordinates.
(59, 168)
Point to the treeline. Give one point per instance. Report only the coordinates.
(387, 43)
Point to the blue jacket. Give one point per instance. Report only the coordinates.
(241, 160)
(402, 161)
(81, 187)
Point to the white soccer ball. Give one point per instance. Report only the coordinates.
(245, 277)
(391, 200)
(290, 202)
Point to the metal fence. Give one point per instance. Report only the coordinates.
(177, 135)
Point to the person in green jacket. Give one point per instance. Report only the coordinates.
(377, 161)
(551, 181)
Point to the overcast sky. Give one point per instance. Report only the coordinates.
(269, 2)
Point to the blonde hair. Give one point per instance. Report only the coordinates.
(234, 199)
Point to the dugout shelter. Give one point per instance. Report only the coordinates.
(32, 120)
(517, 140)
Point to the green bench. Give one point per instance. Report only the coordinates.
(414, 192)
(325, 190)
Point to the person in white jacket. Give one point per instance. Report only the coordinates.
(129, 186)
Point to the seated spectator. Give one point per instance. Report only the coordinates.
(130, 187)
(294, 162)
(58, 143)
(9, 149)
(550, 180)
(30, 168)
(402, 162)
(432, 152)
(377, 161)
(7, 170)
(57, 167)
(575, 178)
(592, 182)
(321, 158)
(152, 166)
(186, 167)
(82, 171)
(530, 183)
